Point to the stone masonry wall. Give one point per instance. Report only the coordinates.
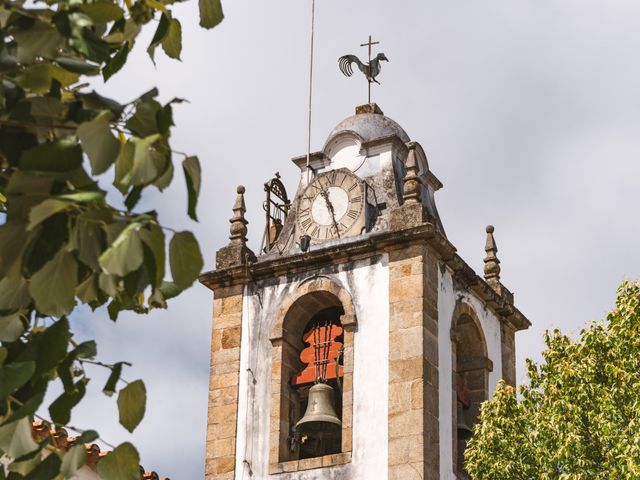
(223, 384)
(413, 364)
(508, 344)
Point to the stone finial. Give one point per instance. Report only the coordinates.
(412, 188)
(491, 262)
(238, 227)
(236, 252)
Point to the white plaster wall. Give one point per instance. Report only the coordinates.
(347, 153)
(448, 296)
(368, 285)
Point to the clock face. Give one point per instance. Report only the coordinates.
(331, 205)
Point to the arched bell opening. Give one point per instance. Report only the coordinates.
(312, 374)
(319, 384)
(471, 367)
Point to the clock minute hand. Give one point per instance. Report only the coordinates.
(325, 195)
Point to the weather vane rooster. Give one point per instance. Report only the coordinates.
(370, 70)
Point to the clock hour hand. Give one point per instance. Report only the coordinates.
(325, 195)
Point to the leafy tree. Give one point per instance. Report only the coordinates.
(579, 416)
(63, 240)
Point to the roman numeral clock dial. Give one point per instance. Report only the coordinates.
(332, 206)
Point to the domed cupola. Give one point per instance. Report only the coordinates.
(369, 123)
(348, 189)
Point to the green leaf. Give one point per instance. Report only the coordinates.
(144, 121)
(103, 12)
(87, 436)
(110, 387)
(11, 327)
(53, 286)
(14, 292)
(153, 237)
(144, 169)
(172, 42)
(210, 13)
(54, 343)
(164, 180)
(16, 439)
(133, 198)
(91, 45)
(87, 291)
(57, 156)
(125, 254)
(185, 259)
(41, 40)
(124, 163)
(46, 209)
(83, 197)
(13, 239)
(88, 241)
(115, 63)
(95, 101)
(160, 34)
(191, 167)
(29, 407)
(123, 463)
(87, 349)
(38, 77)
(78, 65)
(132, 402)
(48, 469)
(13, 376)
(3, 355)
(73, 460)
(60, 408)
(100, 145)
(108, 284)
(25, 465)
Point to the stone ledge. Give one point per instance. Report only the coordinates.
(366, 247)
(311, 463)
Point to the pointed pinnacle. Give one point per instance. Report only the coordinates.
(491, 262)
(412, 190)
(238, 227)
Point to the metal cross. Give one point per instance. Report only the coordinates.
(369, 44)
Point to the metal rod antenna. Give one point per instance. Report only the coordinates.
(313, 16)
(369, 67)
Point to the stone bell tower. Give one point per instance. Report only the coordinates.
(356, 289)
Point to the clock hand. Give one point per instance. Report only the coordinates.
(325, 195)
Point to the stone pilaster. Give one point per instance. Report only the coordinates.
(508, 347)
(223, 384)
(413, 365)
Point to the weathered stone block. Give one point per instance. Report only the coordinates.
(231, 337)
(408, 215)
(233, 256)
(400, 397)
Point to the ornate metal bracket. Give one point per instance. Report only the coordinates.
(276, 207)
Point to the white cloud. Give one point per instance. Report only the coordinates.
(527, 110)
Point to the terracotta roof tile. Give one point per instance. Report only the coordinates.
(59, 438)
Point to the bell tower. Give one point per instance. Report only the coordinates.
(356, 344)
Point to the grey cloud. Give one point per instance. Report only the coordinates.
(528, 111)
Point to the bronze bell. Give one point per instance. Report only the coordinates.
(464, 431)
(320, 415)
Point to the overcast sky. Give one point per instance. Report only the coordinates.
(528, 112)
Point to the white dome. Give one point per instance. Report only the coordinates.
(369, 126)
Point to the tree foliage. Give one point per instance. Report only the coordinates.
(579, 416)
(66, 238)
